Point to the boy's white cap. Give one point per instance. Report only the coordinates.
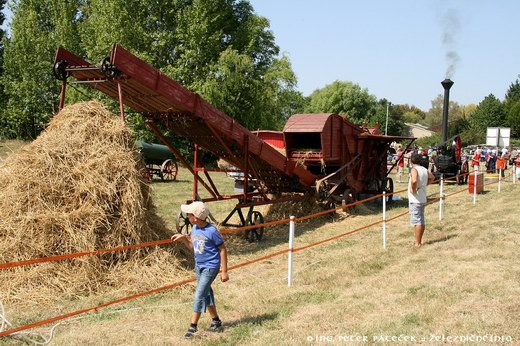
(196, 208)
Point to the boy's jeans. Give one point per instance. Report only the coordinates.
(203, 292)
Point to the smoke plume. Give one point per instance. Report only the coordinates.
(450, 29)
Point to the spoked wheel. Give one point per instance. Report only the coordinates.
(255, 234)
(169, 170)
(321, 191)
(182, 223)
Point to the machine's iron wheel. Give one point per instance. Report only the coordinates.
(182, 223)
(108, 69)
(255, 234)
(321, 192)
(60, 71)
(169, 170)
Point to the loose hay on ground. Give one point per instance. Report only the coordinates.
(77, 188)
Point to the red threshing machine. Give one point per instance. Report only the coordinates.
(325, 153)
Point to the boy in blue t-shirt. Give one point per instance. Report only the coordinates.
(210, 256)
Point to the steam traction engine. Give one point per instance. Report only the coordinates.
(449, 161)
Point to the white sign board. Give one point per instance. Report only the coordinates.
(498, 136)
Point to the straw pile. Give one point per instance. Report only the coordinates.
(77, 188)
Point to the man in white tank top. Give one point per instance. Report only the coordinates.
(420, 177)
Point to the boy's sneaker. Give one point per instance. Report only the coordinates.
(215, 326)
(190, 332)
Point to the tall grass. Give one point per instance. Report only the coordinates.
(464, 281)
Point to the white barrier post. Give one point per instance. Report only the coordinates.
(499, 179)
(475, 188)
(291, 249)
(441, 194)
(384, 220)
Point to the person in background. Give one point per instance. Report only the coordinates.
(433, 157)
(501, 164)
(517, 167)
(492, 162)
(400, 164)
(507, 156)
(475, 161)
(210, 256)
(407, 159)
(420, 177)
(512, 158)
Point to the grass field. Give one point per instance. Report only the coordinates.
(463, 283)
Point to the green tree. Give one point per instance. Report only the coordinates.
(412, 114)
(196, 42)
(430, 141)
(3, 96)
(512, 94)
(512, 108)
(433, 117)
(37, 28)
(255, 103)
(513, 118)
(104, 23)
(344, 98)
(396, 126)
(489, 113)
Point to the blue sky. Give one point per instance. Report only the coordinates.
(397, 48)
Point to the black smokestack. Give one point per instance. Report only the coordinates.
(446, 84)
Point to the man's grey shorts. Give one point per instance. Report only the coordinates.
(416, 214)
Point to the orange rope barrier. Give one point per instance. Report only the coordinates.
(167, 241)
(224, 231)
(94, 308)
(243, 264)
(336, 237)
(124, 299)
(244, 228)
(186, 281)
(79, 254)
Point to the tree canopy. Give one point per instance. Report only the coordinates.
(358, 106)
(218, 48)
(512, 108)
(3, 97)
(343, 98)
